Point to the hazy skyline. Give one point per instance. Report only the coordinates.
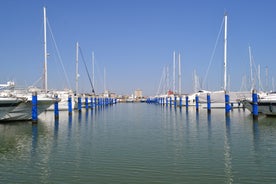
(134, 41)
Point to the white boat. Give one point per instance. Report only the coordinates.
(7, 104)
(218, 97)
(9, 85)
(266, 104)
(23, 111)
(63, 96)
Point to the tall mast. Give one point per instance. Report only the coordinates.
(77, 67)
(179, 74)
(174, 72)
(167, 79)
(195, 82)
(45, 53)
(225, 52)
(259, 77)
(104, 80)
(273, 84)
(266, 79)
(251, 70)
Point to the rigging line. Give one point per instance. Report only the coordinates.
(37, 81)
(93, 91)
(159, 91)
(213, 53)
(58, 53)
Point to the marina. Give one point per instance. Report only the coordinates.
(80, 100)
(140, 143)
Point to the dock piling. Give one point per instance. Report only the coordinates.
(70, 105)
(197, 105)
(255, 104)
(34, 108)
(227, 104)
(56, 110)
(187, 102)
(79, 103)
(86, 103)
(208, 103)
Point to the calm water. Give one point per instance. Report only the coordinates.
(140, 143)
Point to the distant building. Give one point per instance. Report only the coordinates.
(138, 94)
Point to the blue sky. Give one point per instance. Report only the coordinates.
(134, 40)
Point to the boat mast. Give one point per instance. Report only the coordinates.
(104, 80)
(45, 53)
(174, 72)
(167, 80)
(251, 70)
(77, 67)
(179, 74)
(259, 77)
(266, 79)
(225, 52)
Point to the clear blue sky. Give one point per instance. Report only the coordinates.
(134, 39)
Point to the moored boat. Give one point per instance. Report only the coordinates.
(266, 104)
(23, 111)
(7, 104)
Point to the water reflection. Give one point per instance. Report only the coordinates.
(86, 115)
(34, 139)
(69, 125)
(79, 116)
(209, 125)
(197, 121)
(56, 128)
(227, 152)
(256, 135)
(147, 142)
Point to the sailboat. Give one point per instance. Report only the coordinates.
(266, 101)
(7, 104)
(218, 97)
(44, 100)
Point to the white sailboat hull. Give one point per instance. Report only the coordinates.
(7, 104)
(24, 110)
(265, 106)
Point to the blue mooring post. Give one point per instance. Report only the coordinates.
(175, 102)
(180, 102)
(79, 103)
(187, 102)
(56, 107)
(208, 103)
(255, 104)
(91, 102)
(98, 102)
(166, 101)
(86, 103)
(170, 101)
(196, 99)
(227, 104)
(70, 105)
(34, 107)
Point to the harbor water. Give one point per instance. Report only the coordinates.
(140, 143)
